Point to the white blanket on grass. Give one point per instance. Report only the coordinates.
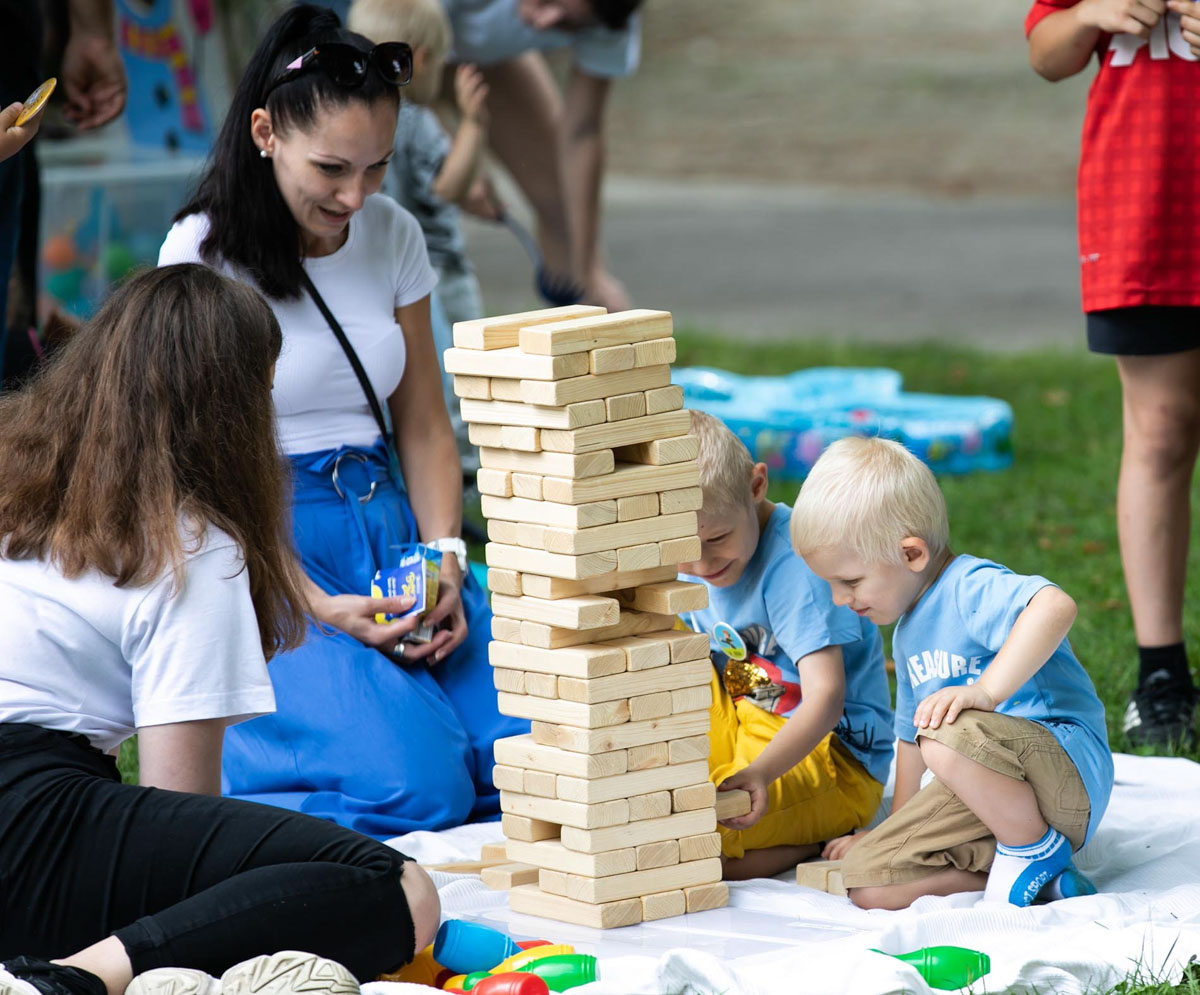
(779, 937)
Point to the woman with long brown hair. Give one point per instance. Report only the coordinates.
(146, 576)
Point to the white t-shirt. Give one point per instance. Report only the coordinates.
(84, 656)
(382, 266)
(490, 31)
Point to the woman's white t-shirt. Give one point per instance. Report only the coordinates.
(382, 266)
(81, 655)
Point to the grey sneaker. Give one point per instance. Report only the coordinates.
(173, 981)
(288, 972)
(1162, 713)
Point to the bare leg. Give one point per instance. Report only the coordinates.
(767, 862)
(1161, 408)
(108, 961)
(900, 896)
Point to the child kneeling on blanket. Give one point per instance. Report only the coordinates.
(990, 696)
(801, 711)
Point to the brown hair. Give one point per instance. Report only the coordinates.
(156, 415)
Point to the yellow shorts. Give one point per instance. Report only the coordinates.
(827, 794)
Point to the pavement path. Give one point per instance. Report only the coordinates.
(776, 262)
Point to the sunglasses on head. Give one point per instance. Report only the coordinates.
(347, 66)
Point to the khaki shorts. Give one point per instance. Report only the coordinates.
(936, 831)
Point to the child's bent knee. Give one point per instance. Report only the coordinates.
(877, 897)
(423, 903)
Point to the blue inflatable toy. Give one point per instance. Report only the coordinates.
(786, 422)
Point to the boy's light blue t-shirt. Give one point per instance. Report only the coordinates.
(780, 611)
(955, 630)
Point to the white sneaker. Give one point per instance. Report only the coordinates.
(173, 981)
(10, 985)
(287, 973)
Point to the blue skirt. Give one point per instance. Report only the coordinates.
(358, 739)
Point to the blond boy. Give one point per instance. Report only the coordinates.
(801, 715)
(989, 695)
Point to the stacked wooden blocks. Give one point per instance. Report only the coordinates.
(590, 486)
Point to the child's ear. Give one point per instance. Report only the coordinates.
(916, 553)
(758, 482)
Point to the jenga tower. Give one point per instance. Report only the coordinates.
(589, 483)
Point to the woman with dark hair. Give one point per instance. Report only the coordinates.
(147, 575)
(373, 731)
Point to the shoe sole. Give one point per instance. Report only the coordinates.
(287, 972)
(173, 981)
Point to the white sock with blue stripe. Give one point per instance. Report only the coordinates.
(1019, 872)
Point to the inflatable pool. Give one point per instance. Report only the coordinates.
(786, 422)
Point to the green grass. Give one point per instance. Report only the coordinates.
(1052, 513)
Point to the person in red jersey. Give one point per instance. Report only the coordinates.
(1139, 257)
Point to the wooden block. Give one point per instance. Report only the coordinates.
(686, 644)
(681, 499)
(521, 827)
(576, 661)
(689, 699)
(700, 846)
(622, 406)
(670, 598)
(619, 737)
(640, 557)
(693, 796)
(571, 416)
(538, 561)
(540, 784)
(574, 814)
(527, 486)
(592, 438)
(663, 905)
(611, 359)
(494, 482)
(530, 900)
(570, 466)
(654, 352)
(476, 388)
(497, 852)
(692, 673)
(542, 685)
(618, 535)
(661, 854)
(645, 652)
(664, 399)
(654, 805)
(732, 803)
(563, 516)
(463, 866)
(504, 582)
(505, 876)
(685, 550)
(580, 334)
(682, 751)
(510, 390)
(505, 437)
(630, 623)
(552, 855)
(503, 331)
(552, 588)
(635, 506)
(514, 364)
(615, 887)
(590, 387)
(501, 531)
(622, 481)
(649, 706)
(824, 875)
(566, 713)
(505, 778)
(529, 535)
(703, 897)
(512, 681)
(586, 612)
(506, 629)
(636, 833)
(646, 757)
(521, 751)
(658, 452)
(604, 789)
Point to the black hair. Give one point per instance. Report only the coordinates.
(615, 14)
(250, 224)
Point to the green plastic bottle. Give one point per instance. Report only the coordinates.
(947, 967)
(564, 971)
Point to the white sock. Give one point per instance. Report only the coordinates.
(1019, 872)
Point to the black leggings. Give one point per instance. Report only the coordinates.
(182, 880)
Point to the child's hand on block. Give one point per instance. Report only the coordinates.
(731, 808)
(837, 849)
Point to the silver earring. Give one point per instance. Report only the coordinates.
(263, 154)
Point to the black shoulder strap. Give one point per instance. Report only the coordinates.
(351, 355)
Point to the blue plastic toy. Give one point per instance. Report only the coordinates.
(467, 947)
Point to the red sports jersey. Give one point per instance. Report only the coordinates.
(1139, 170)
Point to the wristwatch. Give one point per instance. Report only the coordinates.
(452, 544)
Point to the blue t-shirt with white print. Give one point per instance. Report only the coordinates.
(779, 611)
(955, 630)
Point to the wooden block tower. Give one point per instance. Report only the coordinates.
(590, 487)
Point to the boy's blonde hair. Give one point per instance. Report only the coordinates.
(867, 495)
(725, 465)
(420, 23)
